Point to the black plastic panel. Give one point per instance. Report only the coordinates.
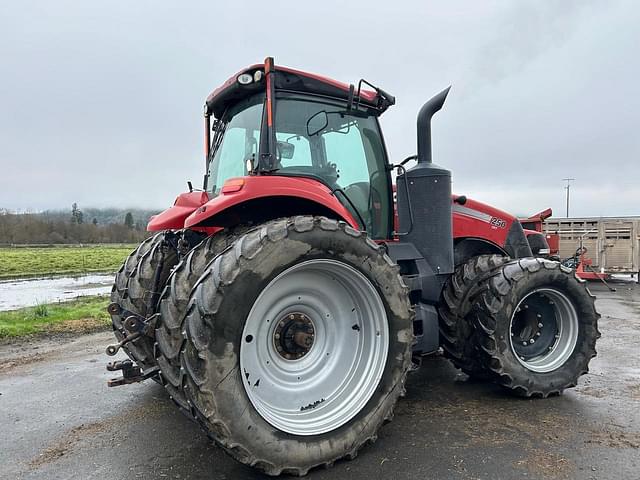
(427, 194)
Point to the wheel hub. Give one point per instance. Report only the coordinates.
(544, 330)
(534, 327)
(294, 335)
(314, 347)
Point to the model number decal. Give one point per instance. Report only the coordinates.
(498, 222)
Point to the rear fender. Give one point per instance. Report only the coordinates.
(173, 218)
(255, 199)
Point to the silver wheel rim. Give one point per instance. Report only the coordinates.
(548, 318)
(326, 386)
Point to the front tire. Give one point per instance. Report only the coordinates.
(456, 329)
(265, 323)
(536, 327)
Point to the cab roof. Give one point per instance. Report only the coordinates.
(291, 80)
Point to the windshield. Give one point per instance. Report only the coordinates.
(345, 151)
(236, 140)
(316, 139)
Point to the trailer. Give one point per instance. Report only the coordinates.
(612, 243)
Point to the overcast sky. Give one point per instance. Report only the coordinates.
(101, 102)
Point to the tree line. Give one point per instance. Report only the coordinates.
(74, 226)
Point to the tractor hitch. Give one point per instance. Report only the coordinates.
(130, 373)
(112, 349)
(134, 326)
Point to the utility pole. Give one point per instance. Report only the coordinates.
(568, 180)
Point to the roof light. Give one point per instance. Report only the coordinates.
(245, 79)
(257, 76)
(233, 185)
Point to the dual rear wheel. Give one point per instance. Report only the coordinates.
(294, 344)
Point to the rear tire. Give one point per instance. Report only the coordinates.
(536, 327)
(456, 330)
(225, 326)
(133, 291)
(173, 306)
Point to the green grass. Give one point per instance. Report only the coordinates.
(78, 316)
(42, 261)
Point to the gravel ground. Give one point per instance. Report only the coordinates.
(60, 421)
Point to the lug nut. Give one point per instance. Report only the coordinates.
(532, 341)
(537, 334)
(538, 315)
(540, 325)
(524, 343)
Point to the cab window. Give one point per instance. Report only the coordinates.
(344, 151)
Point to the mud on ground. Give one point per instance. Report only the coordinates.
(60, 420)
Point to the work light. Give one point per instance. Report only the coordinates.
(245, 79)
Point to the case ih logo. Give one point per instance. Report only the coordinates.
(498, 222)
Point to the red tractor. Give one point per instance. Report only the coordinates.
(283, 303)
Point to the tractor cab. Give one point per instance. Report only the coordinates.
(307, 127)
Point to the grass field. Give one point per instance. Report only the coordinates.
(78, 316)
(42, 261)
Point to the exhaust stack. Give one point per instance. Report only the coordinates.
(425, 115)
(424, 199)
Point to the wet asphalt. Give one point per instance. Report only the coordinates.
(59, 420)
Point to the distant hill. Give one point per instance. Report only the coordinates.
(104, 216)
(76, 225)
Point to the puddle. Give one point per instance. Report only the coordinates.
(26, 293)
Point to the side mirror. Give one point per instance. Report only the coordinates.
(285, 149)
(317, 123)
